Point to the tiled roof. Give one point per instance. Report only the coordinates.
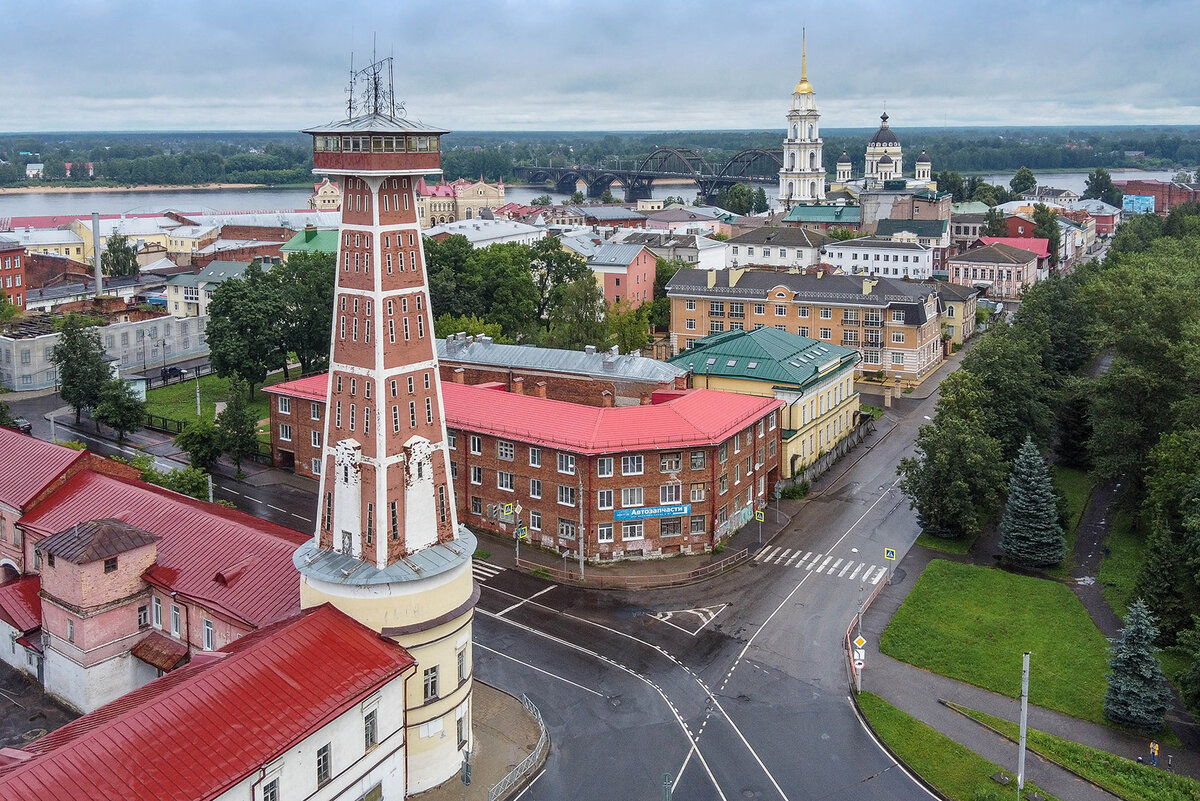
(1034, 244)
(222, 557)
(20, 606)
(683, 419)
(766, 354)
(28, 465)
(996, 254)
(201, 729)
(93, 540)
(783, 237)
(160, 651)
(929, 229)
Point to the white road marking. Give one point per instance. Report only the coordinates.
(813, 563)
(886, 752)
(847, 567)
(786, 551)
(276, 508)
(539, 670)
(835, 566)
(527, 600)
(791, 559)
(227, 489)
(882, 572)
(867, 573)
(855, 573)
(302, 517)
(821, 569)
(766, 554)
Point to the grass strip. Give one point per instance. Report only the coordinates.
(1120, 776)
(958, 547)
(973, 623)
(956, 771)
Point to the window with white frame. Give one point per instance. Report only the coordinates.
(696, 494)
(452, 439)
(566, 495)
(670, 462)
(633, 530)
(315, 438)
(285, 432)
(697, 460)
(476, 474)
(566, 464)
(535, 457)
(670, 527)
(697, 525)
(632, 496)
(316, 467)
(535, 520)
(898, 337)
(505, 481)
(175, 620)
(604, 532)
(430, 678)
(535, 488)
(505, 450)
(670, 493)
(898, 359)
(476, 445)
(285, 404)
(604, 499)
(632, 465)
(604, 467)
(566, 528)
(156, 606)
(826, 313)
(208, 635)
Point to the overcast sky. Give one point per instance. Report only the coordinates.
(598, 65)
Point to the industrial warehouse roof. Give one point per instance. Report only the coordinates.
(225, 559)
(766, 354)
(199, 730)
(28, 465)
(678, 418)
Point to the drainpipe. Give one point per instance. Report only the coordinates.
(96, 248)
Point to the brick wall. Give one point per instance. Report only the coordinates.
(557, 386)
(260, 232)
(300, 418)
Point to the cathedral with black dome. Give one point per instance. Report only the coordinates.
(802, 176)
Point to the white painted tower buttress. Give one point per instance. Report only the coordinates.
(802, 177)
(388, 549)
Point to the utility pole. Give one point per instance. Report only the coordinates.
(197, 380)
(1024, 722)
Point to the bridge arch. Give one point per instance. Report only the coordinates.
(753, 163)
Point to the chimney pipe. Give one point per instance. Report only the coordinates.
(96, 248)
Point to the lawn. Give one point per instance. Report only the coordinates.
(1119, 570)
(1076, 487)
(1122, 777)
(973, 623)
(956, 771)
(178, 401)
(943, 545)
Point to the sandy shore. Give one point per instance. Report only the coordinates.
(51, 190)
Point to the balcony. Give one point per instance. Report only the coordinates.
(872, 323)
(850, 323)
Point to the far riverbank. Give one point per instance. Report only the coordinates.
(52, 190)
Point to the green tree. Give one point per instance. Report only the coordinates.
(1017, 399)
(8, 311)
(760, 201)
(6, 416)
(540, 200)
(579, 318)
(660, 309)
(951, 182)
(576, 197)
(993, 223)
(303, 288)
(1045, 226)
(607, 196)
(500, 286)
(79, 359)
(553, 267)
(191, 481)
(239, 429)
(446, 268)
(1030, 534)
(738, 199)
(120, 408)
(629, 326)
(119, 258)
(984, 194)
(201, 440)
(1189, 679)
(719, 237)
(842, 233)
(1023, 181)
(446, 326)
(245, 320)
(1137, 694)
(1100, 186)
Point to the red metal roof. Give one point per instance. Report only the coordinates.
(20, 606)
(28, 464)
(199, 730)
(313, 387)
(160, 651)
(1038, 245)
(684, 419)
(201, 542)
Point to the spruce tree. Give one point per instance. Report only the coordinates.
(1137, 693)
(1030, 533)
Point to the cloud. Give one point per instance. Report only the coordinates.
(617, 65)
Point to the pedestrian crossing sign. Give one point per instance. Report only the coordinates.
(759, 516)
(522, 532)
(508, 509)
(889, 553)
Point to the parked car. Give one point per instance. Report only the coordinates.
(167, 373)
(23, 425)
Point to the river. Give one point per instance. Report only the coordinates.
(213, 200)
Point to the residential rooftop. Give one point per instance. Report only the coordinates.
(766, 354)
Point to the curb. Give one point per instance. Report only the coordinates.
(536, 770)
(862, 718)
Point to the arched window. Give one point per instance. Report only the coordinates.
(791, 188)
(812, 188)
(810, 131)
(468, 214)
(812, 159)
(792, 161)
(795, 131)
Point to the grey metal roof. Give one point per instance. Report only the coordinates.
(617, 255)
(339, 568)
(376, 123)
(607, 212)
(877, 242)
(781, 236)
(601, 364)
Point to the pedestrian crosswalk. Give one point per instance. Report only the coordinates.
(849, 569)
(484, 571)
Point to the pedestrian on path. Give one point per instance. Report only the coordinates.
(1154, 753)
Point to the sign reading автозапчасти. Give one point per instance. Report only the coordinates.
(653, 511)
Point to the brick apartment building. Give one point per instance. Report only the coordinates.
(894, 324)
(674, 475)
(12, 273)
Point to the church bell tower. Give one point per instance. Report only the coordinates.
(802, 177)
(388, 549)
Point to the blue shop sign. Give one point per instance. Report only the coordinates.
(647, 512)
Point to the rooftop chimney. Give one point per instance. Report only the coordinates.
(589, 349)
(539, 389)
(518, 386)
(96, 249)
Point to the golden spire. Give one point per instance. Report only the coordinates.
(804, 87)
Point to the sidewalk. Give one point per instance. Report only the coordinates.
(505, 733)
(917, 692)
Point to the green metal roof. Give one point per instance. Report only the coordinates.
(847, 215)
(320, 241)
(766, 354)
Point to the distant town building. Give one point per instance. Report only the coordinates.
(802, 176)
(483, 233)
(1003, 271)
(188, 294)
(12, 271)
(35, 169)
(625, 272)
(326, 196)
(776, 247)
(897, 256)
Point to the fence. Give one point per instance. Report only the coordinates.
(599, 579)
(154, 378)
(856, 623)
(527, 764)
